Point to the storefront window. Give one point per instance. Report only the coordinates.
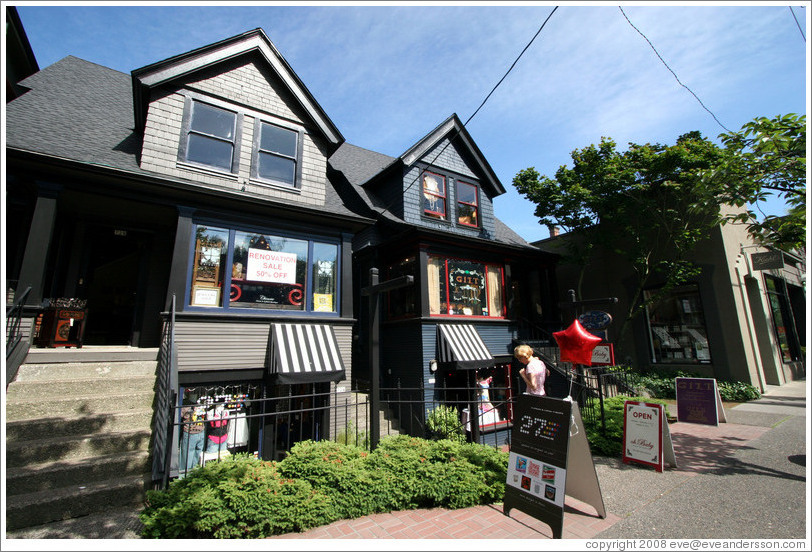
(263, 271)
(464, 288)
(325, 276)
(208, 267)
(782, 321)
(677, 327)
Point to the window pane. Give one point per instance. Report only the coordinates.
(209, 151)
(278, 140)
(272, 167)
(211, 249)
(272, 272)
(495, 302)
(677, 327)
(467, 215)
(466, 193)
(465, 289)
(434, 195)
(325, 277)
(212, 120)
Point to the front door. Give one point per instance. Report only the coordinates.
(112, 271)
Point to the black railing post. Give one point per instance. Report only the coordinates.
(375, 361)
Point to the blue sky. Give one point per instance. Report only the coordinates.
(387, 74)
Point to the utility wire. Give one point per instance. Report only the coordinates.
(796, 22)
(672, 72)
(478, 108)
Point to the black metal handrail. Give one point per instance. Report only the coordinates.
(165, 441)
(13, 321)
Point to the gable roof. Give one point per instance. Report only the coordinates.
(255, 41)
(453, 129)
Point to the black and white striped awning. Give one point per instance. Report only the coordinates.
(459, 346)
(305, 353)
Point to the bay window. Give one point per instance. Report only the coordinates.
(461, 287)
(261, 270)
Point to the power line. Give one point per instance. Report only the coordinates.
(672, 72)
(796, 22)
(480, 105)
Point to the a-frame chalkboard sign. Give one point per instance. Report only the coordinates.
(549, 458)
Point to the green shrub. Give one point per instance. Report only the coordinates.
(609, 441)
(737, 391)
(350, 436)
(238, 497)
(318, 483)
(443, 422)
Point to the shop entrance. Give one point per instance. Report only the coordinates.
(113, 271)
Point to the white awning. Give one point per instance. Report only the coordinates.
(305, 353)
(460, 346)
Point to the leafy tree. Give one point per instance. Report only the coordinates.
(649, 204)
(766, 157)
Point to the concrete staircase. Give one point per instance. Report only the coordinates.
(78, 433)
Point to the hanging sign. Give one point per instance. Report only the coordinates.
(271, 266)
(646, 437)
(767, 260)
(548, 445)
(603, 355)
(699, 401)
(595, 320)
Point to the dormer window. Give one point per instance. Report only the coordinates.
(210, 136)
(467, 204)
(277, 154)
(434, 195)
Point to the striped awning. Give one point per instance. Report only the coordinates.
(459, 346)
(305, 353)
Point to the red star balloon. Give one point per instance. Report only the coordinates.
(576, 344)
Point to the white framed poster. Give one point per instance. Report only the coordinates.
(643, 428)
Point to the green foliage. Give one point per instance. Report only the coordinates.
(350, 436)
(766, 157)
(240, 497)
(443, 422)
(320, 482)
(660, 383)
(737, 391)
(609, 442)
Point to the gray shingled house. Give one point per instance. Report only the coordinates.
(207, 202)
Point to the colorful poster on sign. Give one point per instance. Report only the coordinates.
(271, 266)
(539, 480)
(698, 401)
(642, 433)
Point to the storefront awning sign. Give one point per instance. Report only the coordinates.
(460, 346)
(305, 353)
(767, 260)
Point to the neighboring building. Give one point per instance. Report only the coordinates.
(20, 60)
(743, 319)
(213, 181)
(477, 285)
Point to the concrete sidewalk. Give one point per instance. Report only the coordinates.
(742, 479)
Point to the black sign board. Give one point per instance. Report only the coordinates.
(767, 260)
(548, 444)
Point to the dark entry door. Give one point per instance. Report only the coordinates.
(110, 280)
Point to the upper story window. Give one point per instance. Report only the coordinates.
(261, 270)
(467, 204)
(461, 287)
(434, 195)
(210, 136)
(277, 154)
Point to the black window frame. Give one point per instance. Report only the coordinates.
(186, 130)
(256, 151)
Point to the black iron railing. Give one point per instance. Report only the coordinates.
(14, 335)
(165, 438)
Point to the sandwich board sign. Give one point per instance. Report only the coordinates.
(699, 401)
(646, 437)
(549, 458)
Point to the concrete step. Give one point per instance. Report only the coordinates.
(83, 370)
(78, 406)
(91, 353)
(76, 473)
(32, 509)
(46, 428)
(29, 453)
(40, 389)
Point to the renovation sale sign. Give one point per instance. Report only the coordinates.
(271, 266)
